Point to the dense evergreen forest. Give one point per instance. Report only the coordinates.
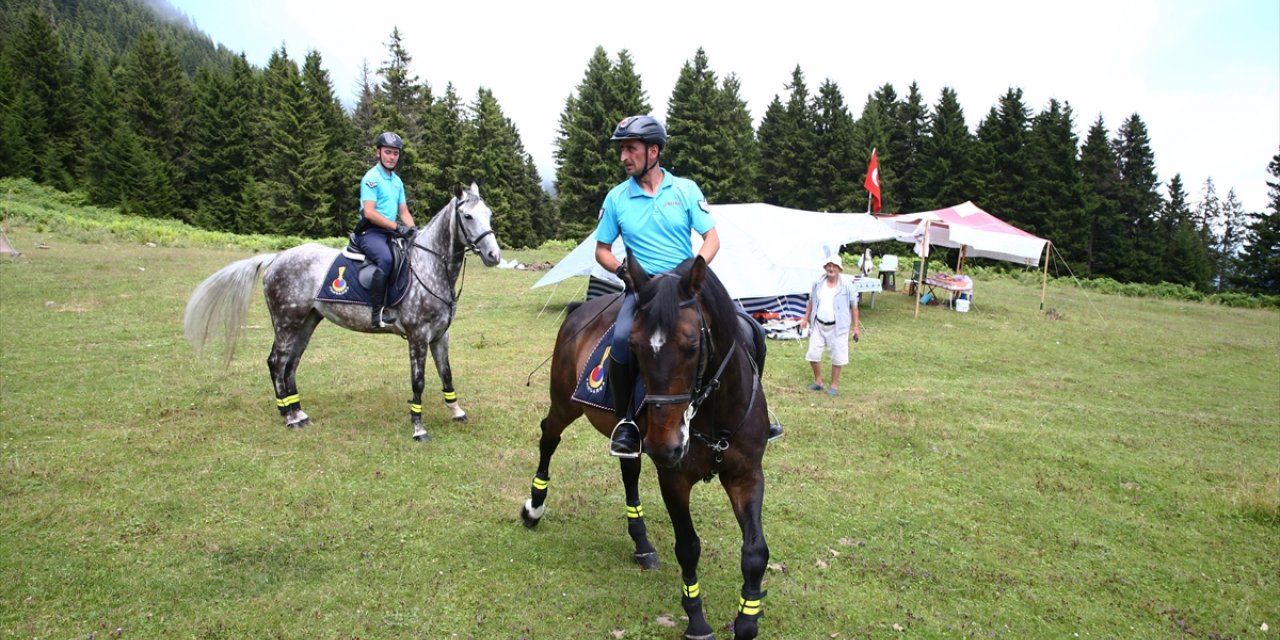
(148, 115)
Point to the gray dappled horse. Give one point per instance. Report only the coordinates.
(292, 278)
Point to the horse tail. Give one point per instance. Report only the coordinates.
(221, 303)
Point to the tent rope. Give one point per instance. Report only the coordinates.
(1078, 284)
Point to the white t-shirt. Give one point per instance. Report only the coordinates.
(825, 310)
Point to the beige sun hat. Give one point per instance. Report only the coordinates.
(835, 259)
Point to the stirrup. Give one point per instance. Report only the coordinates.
(624, 454)
(775, 428)
(384, 320)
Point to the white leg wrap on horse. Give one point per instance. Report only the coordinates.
(457, 411)
(534, 514)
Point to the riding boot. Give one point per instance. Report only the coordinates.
(378, 300)
(625, 441)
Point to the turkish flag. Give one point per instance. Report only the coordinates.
(873, 182)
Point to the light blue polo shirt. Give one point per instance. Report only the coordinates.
(385, 189)
(656, 228)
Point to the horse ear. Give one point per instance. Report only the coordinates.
(475, 189)
(696, 276)
(639, 277)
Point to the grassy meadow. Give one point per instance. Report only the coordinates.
(1109, 469)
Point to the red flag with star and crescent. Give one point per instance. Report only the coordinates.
(873, 182)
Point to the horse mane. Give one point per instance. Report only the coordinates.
(661, 298)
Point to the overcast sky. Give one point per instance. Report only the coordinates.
(1204, 75)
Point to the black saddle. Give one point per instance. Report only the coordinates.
(399, 254)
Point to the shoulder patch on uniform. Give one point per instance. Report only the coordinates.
(601, 214)
(702, 204)
(372, 184)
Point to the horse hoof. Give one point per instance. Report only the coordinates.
(648, 561)
(422, 437)
(299, 424)
(461, 418)
(527, 519)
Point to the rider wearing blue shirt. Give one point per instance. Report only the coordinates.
(384, 215)
(654, 213)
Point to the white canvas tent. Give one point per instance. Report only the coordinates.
(767, 253)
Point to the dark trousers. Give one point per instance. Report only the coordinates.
(375, 243)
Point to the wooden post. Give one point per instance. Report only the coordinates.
(924, 266)
(1044, 282)
(960, 260)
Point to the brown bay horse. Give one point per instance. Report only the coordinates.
(704, 416)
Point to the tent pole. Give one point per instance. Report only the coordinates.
(960, 260)
(1044, 282)
(924, 266)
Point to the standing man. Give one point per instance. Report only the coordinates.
(833, 310)
(383, 215)
(654, 212)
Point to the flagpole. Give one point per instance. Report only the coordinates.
(873, 154)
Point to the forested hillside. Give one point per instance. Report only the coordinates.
(146, 114)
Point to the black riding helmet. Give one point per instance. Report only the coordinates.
(647, 129)
(389, 139)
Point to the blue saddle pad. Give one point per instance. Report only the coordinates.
(593, 383)
(342, 284)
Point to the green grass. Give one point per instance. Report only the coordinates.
(1108, 470)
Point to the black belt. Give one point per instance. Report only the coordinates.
(824, 323)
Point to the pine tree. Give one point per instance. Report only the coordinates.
(44, 108)
(1235, 222)
(1186, 259)
(399, 101)
(712, 141)
(1006, 139)
(283, 143)
(587, 164)
(328, 167)
(739, 160)
(787, 140)
(16, 155)
(490, 149)
(947, 171)
(363, 116)
(1257, 268)
(1109, 246)
(907, 153)
(156, 96)
(693, 144)
(1053, 199)
(226, 118)
(836, 173)
(446, 126)
(1139, 199)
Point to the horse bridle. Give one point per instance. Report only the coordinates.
(472, 244)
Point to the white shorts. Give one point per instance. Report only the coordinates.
(823, 337)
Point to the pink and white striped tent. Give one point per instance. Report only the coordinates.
(965, 226)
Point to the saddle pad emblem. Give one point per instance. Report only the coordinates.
(596, 380)
(339, 284)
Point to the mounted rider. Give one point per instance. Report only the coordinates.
(654, 212)
(383, 215)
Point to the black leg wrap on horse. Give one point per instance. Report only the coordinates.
(288, 403)
(538, 492)
(691, 601)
